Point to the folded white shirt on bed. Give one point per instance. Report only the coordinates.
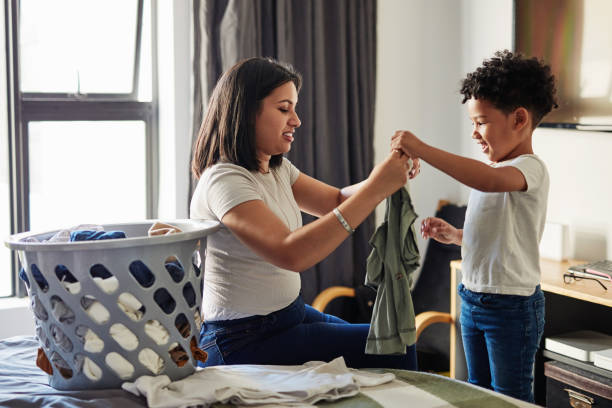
(247, 384)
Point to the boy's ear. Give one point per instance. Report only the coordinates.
(521, 118)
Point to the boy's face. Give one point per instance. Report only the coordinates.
(494, 130)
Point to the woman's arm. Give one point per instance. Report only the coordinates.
(262, 231)
(317, 198)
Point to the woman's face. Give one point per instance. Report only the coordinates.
(276, 122)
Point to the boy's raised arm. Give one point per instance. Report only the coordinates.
(472, 173)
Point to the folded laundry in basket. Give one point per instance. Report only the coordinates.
(64, 235)
(175, 269)
(145, 277)
(84, 232)
(157, 332)
(91, 341)
(95, 309)
(160, 228)
(37, 308)
(88, 367)
(90, 235)
(108, 285)
(61, 311)
(131, 306)
(61, 365)
(151, 360)
(60, 338)
(43, 362)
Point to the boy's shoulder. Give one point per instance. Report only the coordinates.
(533, 169)
(529, 159)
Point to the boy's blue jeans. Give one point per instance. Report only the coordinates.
(293, 336)
(501, 334)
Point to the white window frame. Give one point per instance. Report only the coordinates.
(24, 108)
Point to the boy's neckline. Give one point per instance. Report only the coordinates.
(513, 158)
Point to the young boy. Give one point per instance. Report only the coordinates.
(502, 312)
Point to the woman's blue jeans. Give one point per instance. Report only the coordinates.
(501, 334)
(293, 336)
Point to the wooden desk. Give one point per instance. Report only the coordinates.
(585, 289)
(552, 281)
(579, 305)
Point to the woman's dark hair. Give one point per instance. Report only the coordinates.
(510, 81)
(228, 129)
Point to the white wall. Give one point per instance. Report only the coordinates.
(578, 161)
(418, 69)
(425, 48)
(580, 195)
(175, 107)
(16, 319)
(486, 27)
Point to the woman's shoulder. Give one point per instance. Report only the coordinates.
(224, 176)
(224, 168)
(225, 171)
(220, 188)
(289, 170)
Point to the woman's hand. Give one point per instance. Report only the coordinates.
(389, 175)
(441, 231)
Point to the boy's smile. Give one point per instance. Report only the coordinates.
(500, 136)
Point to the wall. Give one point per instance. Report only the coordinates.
(486, 26)
(580, 196)
(175, 110)
(578, 161)
(16, 319)
(418, 68)
(424, 49)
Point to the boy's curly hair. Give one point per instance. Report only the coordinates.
(510, 81)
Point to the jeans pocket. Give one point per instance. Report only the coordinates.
(215, 357)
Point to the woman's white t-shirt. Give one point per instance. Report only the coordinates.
(237, 282)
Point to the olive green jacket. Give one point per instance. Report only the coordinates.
(391, 263)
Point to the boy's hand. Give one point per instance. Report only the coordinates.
(441, 231)
(406, 142)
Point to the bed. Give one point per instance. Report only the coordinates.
(22, 384)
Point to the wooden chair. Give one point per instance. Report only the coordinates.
(423, 319)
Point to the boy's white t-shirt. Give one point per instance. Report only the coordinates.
(502, 232)
(238, 282)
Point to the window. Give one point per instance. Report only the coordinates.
(6, 281)
(84, 114)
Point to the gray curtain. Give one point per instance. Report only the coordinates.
(333, 44)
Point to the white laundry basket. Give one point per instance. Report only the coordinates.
(63, 317)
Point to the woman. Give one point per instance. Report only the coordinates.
(253, 312)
